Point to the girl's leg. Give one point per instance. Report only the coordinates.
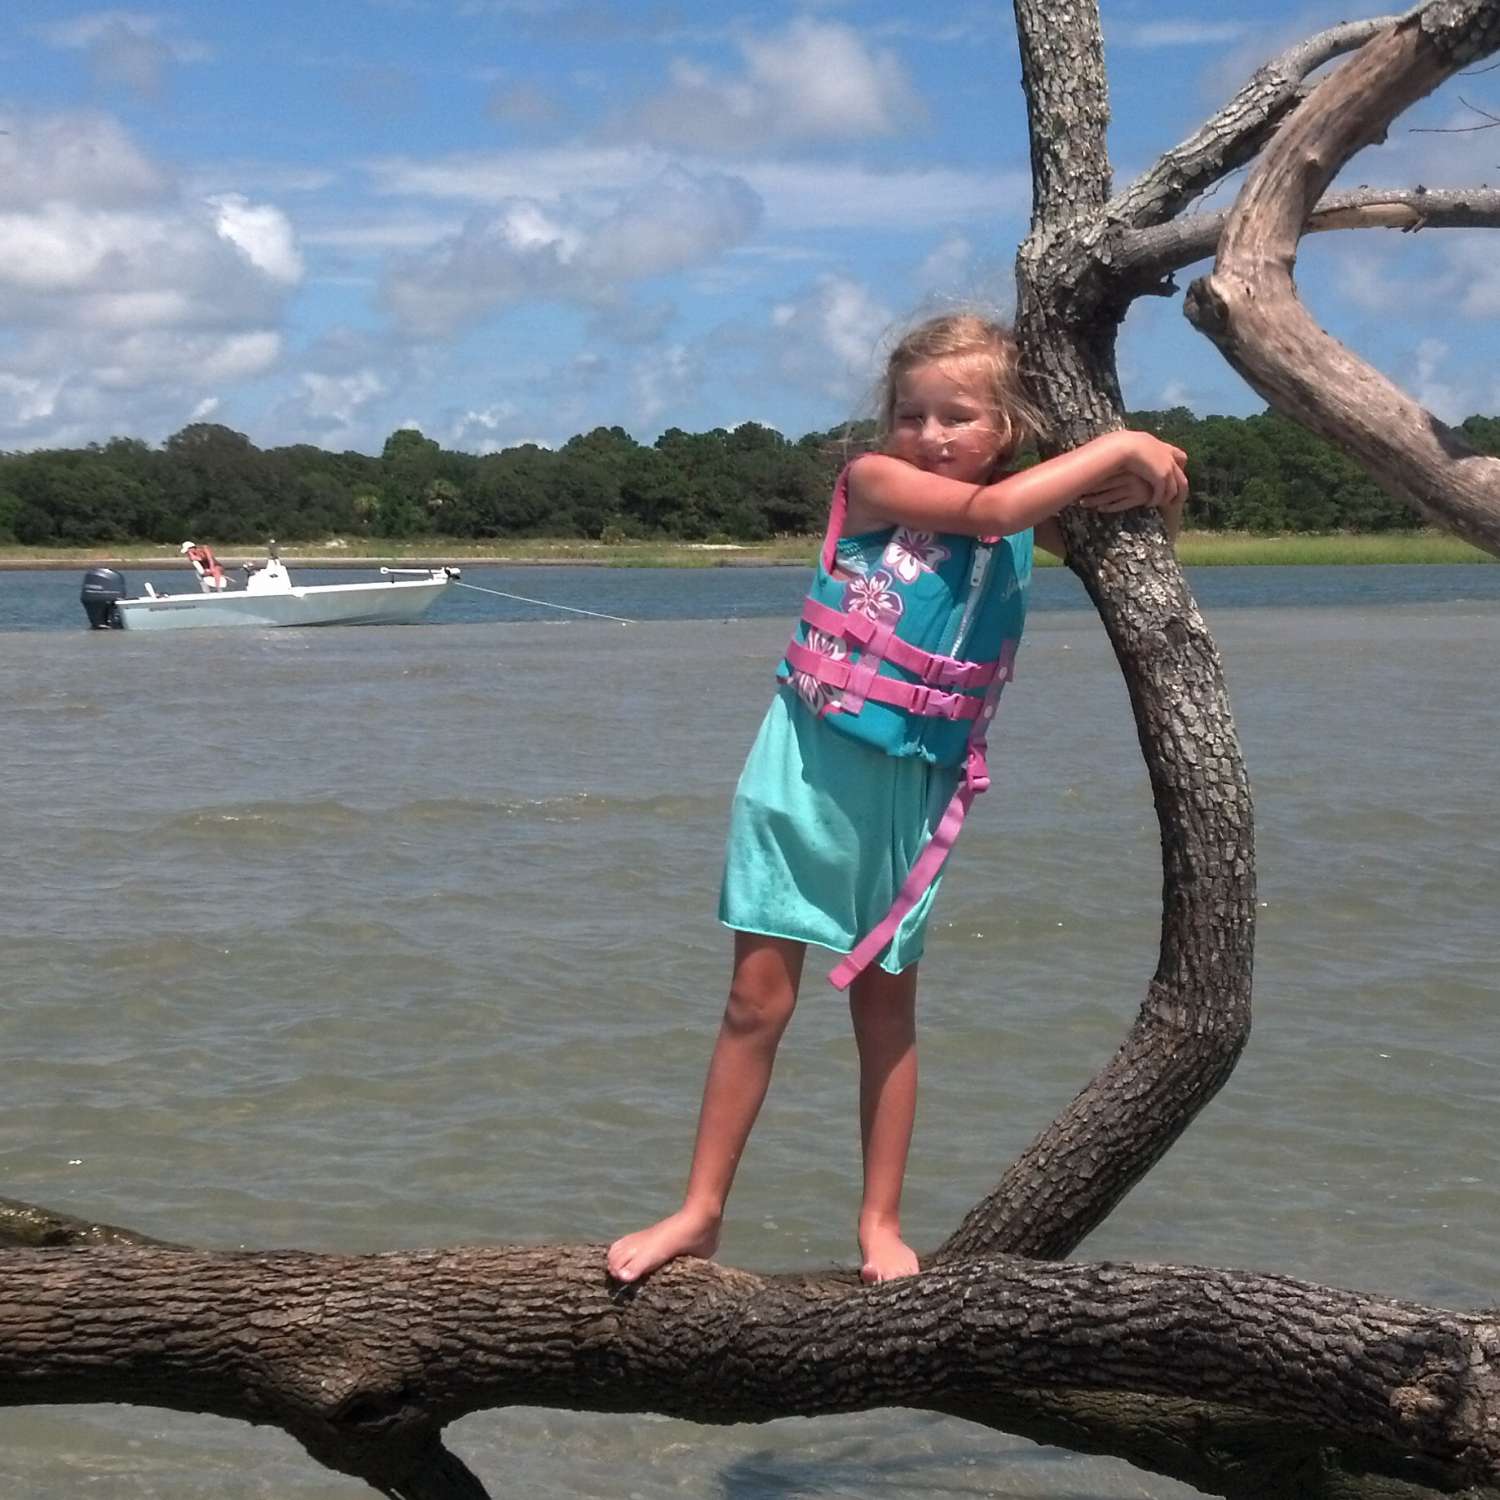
(762, 994)
(884, 1010)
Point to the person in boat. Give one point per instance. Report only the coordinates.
(210, 574)
(874, 746)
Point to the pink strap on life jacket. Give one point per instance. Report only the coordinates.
(928, 865)
(851, 678)
(837, 510)
(860, 630)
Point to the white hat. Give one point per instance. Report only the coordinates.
(187, 547)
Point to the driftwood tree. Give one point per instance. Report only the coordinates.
(1240, 1384)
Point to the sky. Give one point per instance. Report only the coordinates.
(509, 221)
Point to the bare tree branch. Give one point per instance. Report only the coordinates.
(1144, 259)
(1237, 133)
(1250, 308)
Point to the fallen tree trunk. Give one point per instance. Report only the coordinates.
(365, 1358)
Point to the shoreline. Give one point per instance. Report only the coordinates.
(1195, 549)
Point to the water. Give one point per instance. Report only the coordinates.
(34, 599)
(361, 939)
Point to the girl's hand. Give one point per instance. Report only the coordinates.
(1127, 492)
(1159, 464)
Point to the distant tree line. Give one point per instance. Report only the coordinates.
(1261, 473)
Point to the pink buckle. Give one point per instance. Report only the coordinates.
(936, 669)
(934, 703)
(977, 771)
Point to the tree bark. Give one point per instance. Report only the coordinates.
(1196, 1014)
(365, 1358)
(1249, 306)
(1145, 259)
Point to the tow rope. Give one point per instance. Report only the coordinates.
(546, 603)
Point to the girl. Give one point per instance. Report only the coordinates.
(837, 838)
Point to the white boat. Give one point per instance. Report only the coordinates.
(268, 597)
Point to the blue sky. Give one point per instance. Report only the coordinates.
(513, 220)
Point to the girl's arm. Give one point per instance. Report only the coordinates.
(885, 490)
(1049, 535)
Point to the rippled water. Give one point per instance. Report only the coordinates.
(369, 938)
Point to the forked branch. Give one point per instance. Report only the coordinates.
(1250, 308)
(1144, 259)
(1236, 134)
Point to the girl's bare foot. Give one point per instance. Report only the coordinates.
(886, 1255)
(687, 1232)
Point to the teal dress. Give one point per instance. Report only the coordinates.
(824, 828)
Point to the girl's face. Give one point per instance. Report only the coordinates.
(941, 421)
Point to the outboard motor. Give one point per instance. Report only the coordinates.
(102, 589)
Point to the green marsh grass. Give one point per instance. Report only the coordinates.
(1206, 549)
(1200, 549)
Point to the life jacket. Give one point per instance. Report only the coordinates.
(910, 658)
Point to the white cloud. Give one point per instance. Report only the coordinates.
(338, 400)
(125, 48)
(1451, 401)
(947, 265)
(126, 298)
(262, 233)
(797, 195)
(235, 357)
(826, 340)
(1473, 284)
(829, 338)
(483, 430)
(78, 32)
(812, 195)
(28, 398)
(495, 176)
(679, 220)
(74, 157)
(384, 234)
(81, 32)
(571, 250)
(184, 263)
(1177, 393)
(662, 380)
(1364, 276)
(812, 81)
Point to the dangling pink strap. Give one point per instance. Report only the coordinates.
(975, 779)
(836, 513)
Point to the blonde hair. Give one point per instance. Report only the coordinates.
(984, 346)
